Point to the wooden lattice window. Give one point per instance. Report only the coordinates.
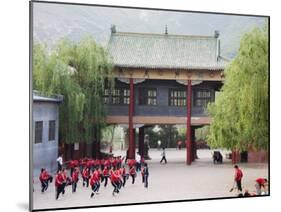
(118, 96)
(148, 96)
(202, 98)
(177, 97)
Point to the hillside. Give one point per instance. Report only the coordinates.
(54, 21)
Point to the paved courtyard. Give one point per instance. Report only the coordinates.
(172, 181)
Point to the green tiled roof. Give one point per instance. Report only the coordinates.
(165, 51)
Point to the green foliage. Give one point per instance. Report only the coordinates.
(201, 133)
(79, 72)
(240, 113)
(167, 134)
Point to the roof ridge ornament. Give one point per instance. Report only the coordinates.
(166, 29)
(216, 33)
(113, 28)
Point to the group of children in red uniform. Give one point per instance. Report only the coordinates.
(95, 172)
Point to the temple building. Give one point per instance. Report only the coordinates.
(163, 79)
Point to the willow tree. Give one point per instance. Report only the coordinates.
(78, 71)
(240, 113)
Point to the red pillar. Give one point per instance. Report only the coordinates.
(131, 129)
(188, 123)
(235, 156)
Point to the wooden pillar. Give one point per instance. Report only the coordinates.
(131, 129)
(188, 123)
(141, 141)
(235, 156)
(193, 146)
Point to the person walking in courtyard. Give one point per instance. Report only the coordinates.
(145, 175)
(138, 162)
(60, 162)
(238, 178)
(163, 154)
(261, 183)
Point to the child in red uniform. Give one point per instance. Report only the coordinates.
(105, 174)
(238, 178)
(260, 183)
(107, 163)
(115, 180)
(65, 179)
(74, 179)
(85, 176)
(94, 184)
(124, 175)
(96, 172)
(44, 179)
(133, 173)
(59, 183)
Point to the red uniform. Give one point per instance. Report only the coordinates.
(131, 162)
(44, 176)
(115, 177)
(114, 162)
(123, 171)
(90, 163)
(107, 162)
(85, 173)
(261, 182)
(238, 175)
(132, 170)
(59, 179)
(75, 176)
(96, 174)
(105, 171)
(93, 180)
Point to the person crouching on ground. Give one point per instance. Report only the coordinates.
(75, 179)
(238, 178)
(261, 183)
